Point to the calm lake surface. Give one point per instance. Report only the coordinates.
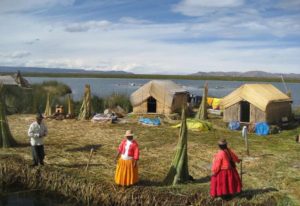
(106, 86)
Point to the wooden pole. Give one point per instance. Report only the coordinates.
(245, 136)
(164, 99)
(247, 145)
(89, 161)
(241, 171)
(284, 84)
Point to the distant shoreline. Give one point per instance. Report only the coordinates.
(156, 76)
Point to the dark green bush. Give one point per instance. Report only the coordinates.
(118, 100)
(97, 104)
(33, 100)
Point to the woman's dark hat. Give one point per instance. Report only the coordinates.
(222, 142)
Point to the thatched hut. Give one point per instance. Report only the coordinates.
(20, 80)
(7, 80)
(257, 103)
(158, 96)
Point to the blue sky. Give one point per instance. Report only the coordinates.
(152, 36)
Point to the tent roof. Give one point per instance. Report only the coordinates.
(260, 95)
(8, 80)
(162, 90)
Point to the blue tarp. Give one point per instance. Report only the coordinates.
(262, 128)
(148, 121)
(234, 125)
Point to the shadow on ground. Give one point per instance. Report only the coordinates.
(22, 145)
(249, 194)
(202, 180)
(77, 165)
(144, 182)
(85, 148)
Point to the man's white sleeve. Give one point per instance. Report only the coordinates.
(31, 132)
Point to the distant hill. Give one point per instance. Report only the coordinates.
(247, 74)
(7, 69)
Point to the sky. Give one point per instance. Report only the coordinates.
(152, 36)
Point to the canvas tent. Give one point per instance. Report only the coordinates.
(158, 96)
(256, 103)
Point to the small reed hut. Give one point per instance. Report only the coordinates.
(159, 96)
(20, 80)
(257, 103)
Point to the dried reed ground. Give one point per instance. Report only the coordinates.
(272, 171)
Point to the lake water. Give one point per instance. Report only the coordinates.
(106, 86)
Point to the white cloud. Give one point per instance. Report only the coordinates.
(16, 55)
(34, 41)
(147, 47)
(130, 20)
(202, 7)
(246, 26)
(58, 62)
(289, 4)
(138, 48)
(86, 26)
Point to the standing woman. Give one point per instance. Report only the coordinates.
(127, 157)
(225, 180)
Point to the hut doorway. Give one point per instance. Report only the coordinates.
(245, 111)
(151, 105)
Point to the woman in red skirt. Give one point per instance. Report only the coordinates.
(127, 157)
(225, 180)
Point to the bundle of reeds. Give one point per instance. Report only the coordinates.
(179, 171)
(202, 111)
(6, 138)
(48, 109)
(70, 106)
(86, 107)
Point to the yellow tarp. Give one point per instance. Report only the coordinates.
(210, 100)
(194, 124)
(216, 103)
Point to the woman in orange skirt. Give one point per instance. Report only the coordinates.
(127, 157)
(225, 180)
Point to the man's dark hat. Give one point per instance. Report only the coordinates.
(39, 116)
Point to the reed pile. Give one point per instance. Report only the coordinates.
(48, 109)
(6, 138)
(202, 111)
(86, 107)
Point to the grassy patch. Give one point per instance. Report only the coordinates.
(272, 172)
